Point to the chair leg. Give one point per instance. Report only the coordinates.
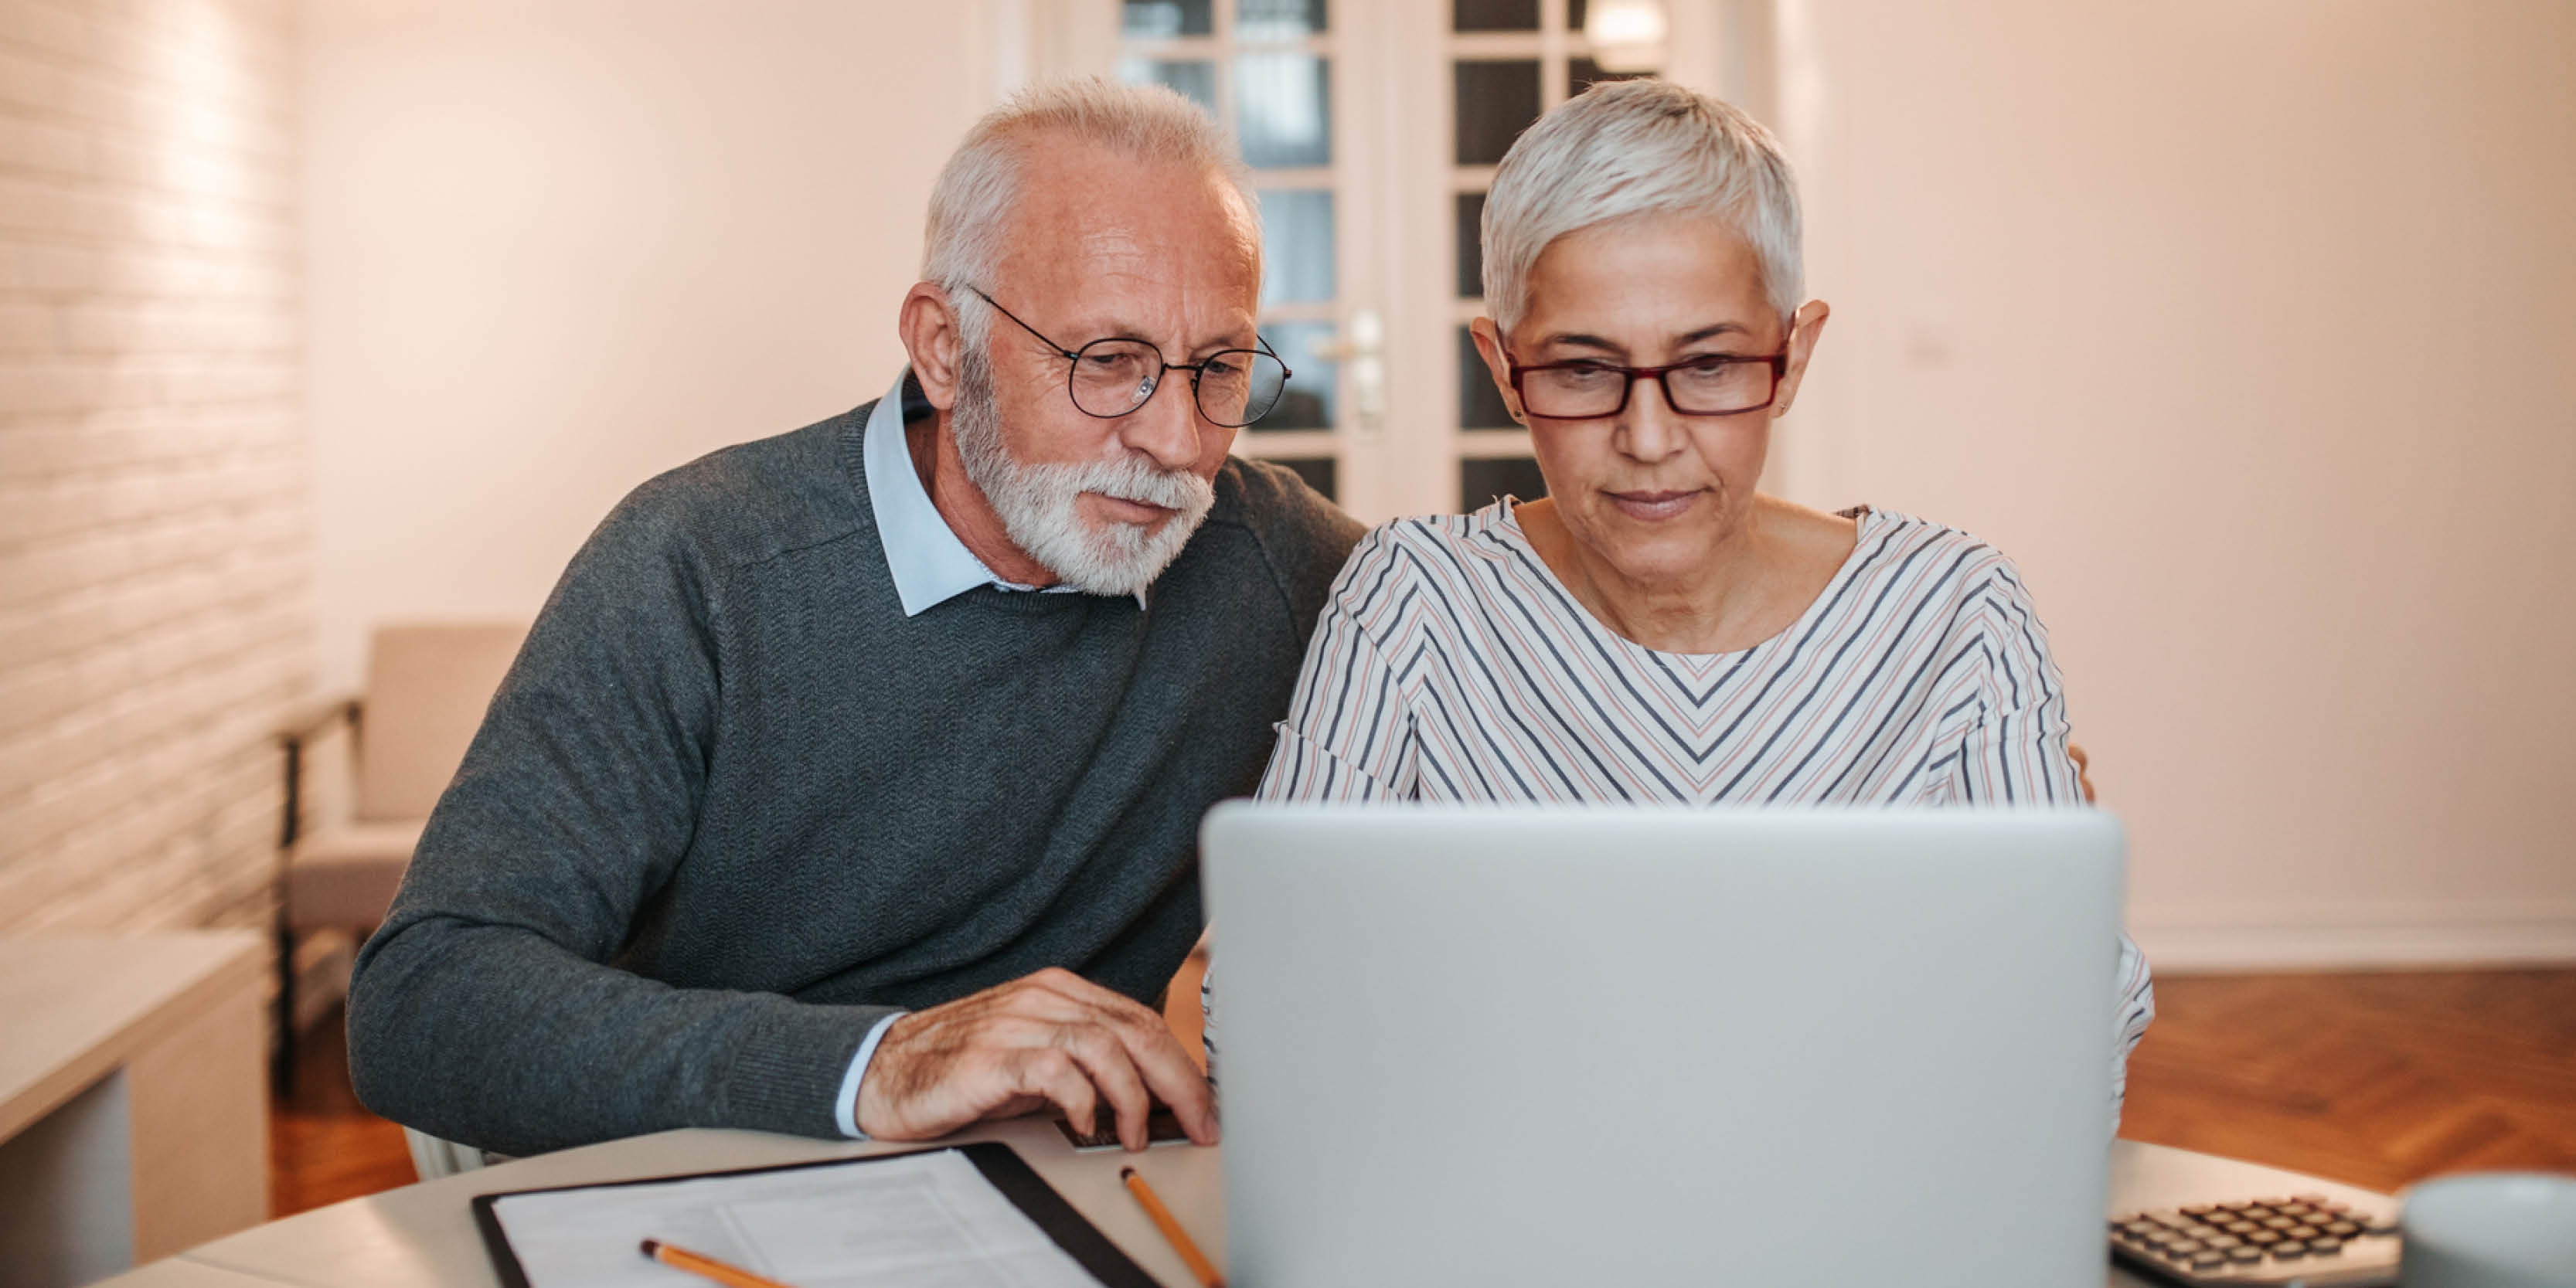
(282, 1065)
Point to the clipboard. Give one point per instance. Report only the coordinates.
(998, 1162)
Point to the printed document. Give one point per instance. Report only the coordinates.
(918, 1221)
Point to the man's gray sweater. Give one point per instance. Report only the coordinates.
(731, 806)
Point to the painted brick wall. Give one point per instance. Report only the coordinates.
(155, 548)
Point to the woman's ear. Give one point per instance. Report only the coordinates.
(1489, 346)
(928, 325)
(1805, 326)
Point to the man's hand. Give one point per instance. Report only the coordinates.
(2083, 770)
(1049, 1037)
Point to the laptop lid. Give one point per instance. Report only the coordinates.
(1553, 1045)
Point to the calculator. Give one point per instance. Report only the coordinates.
(2305, 1239)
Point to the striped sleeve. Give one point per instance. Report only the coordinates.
(1348, 736)
(2137, 1011)
(2016, 755)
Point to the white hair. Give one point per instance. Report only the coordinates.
(972, 203)
(1639, 147)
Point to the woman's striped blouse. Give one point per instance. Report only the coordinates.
(1451, 665)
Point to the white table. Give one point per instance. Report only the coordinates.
(133, 1106)
(423, 1236)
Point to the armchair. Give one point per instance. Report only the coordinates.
(399, 742)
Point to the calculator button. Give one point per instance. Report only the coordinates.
(2325, 1247)
(2302, 1232)
(2263, 1238)
(2289, 1249)
(2240, 1227)
(2223, 1242)
(2278, 1223)
(2205, 1259)
(2342, 1229)
(2183, 1247)
(2245, 1256)
(2199, 1211)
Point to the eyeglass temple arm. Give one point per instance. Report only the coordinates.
(1075, 355)
(1061, 351)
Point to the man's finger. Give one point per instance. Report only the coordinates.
(1055, 1075)
(1174, 1078)
(1155, 1055)
(1104, 1059)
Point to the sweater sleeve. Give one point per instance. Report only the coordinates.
(2016, 755)
(489, 1008)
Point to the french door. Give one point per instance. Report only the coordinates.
(1373, 128)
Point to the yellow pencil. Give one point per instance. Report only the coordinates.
(705, 1266)
(1180, 1238)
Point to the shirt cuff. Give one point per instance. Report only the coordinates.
(845, 1107)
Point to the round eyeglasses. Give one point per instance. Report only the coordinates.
(1713, 385)
(1112, 377)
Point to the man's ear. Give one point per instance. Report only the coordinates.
(1805, 326)
(928, 325)
(1489, 346)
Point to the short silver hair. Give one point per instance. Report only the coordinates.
(1639, 147)
(972, 203)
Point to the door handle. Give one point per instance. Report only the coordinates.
(1361, 349)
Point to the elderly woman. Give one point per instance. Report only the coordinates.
(1656, 629)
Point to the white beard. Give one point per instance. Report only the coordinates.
(1038, 503)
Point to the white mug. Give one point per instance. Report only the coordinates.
(2490, 1230)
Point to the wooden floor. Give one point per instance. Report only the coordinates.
(2377, 1079)
(323, 1146)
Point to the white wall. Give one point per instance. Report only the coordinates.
(155, 592)
(555, 247)
(2245, 328)
(2250, 331)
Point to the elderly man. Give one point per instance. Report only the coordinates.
(848, 783)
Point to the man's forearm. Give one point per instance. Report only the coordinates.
(495, 1037)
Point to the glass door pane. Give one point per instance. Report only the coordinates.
(1508, 62)
(1264, 69)
(1165, 18)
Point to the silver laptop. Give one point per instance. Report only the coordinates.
(1595, 1045)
